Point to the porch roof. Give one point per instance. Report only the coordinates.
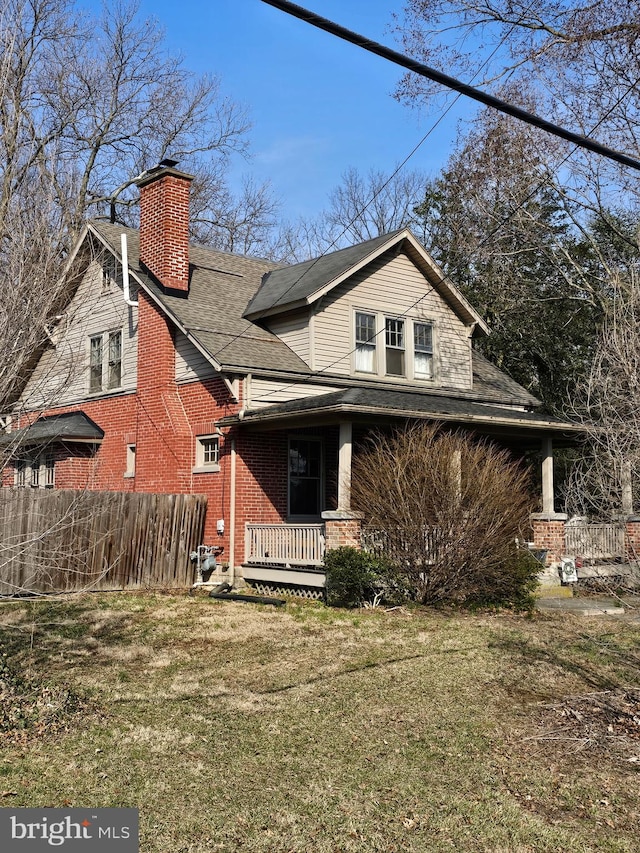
(69, 426)
(375, 405)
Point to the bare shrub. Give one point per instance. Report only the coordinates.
(447, 510)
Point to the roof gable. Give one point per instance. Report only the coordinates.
(211, 317)
(302, 284)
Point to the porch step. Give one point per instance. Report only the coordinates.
(553, 591)
(582, 606)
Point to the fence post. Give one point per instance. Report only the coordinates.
(342, 528)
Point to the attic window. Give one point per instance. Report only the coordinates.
(105, 361)
(423, 350)
(109, 273)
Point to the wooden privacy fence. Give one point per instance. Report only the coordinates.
(64, 540)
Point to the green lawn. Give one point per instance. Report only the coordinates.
(237, 727)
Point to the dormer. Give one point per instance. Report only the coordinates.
(381, 311)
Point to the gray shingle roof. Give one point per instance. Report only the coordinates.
(223, 284)
(372, 402)
(491, 383)
(70, 426)
(294, 283)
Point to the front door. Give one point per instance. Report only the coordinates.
(305, 477)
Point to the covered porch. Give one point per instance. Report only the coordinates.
(320, 435)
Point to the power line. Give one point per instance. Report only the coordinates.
(451, 82)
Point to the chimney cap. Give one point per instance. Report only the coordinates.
(165, 167)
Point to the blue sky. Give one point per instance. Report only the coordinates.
(318, 105)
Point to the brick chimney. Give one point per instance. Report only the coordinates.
(164, 226)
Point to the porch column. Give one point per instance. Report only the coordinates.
(627, 490)
(548, 525)
(344, 465)
(547, 477)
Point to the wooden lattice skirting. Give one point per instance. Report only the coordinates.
(312, 593)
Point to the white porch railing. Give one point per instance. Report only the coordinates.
(284, 544)
(595, 542)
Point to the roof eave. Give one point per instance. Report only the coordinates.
(341, 409)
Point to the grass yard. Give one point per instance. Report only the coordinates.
(236, 727)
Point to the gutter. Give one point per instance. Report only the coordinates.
(262, 415)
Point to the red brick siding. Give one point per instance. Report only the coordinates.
(549, 535)
(164, 229)
(343, 532)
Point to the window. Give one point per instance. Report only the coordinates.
(394, 346)
(36, 472)
(365, 342)
(207, 453)
(423, 350)
(105, 373)
(109, 273)
(131, 461)
(408, 346)
(305, 477)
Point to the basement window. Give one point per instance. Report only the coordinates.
(207, 454)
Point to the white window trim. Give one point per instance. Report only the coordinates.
(202, 467)
(43, 464)
(105, 337)
(379, 356)
(130, 471)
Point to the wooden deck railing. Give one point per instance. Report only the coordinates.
(595, 542)
(284, 544)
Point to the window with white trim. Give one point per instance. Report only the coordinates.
(365, 351)
(394, 346)
(423, 350)
(36, 472)
(207, 453)
(105, 361)
(408, 352)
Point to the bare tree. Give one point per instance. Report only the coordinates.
(91, 103)
(365, 206)
(606, 403)
(580, 59)
(446, 510)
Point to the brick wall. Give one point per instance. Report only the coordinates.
(342, 530)
(549, 535)
(632, 539)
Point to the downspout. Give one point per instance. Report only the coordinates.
(125, 272)
(232, 513)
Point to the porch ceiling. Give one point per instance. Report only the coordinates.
(377, 407)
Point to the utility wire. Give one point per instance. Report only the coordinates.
(451, 82)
